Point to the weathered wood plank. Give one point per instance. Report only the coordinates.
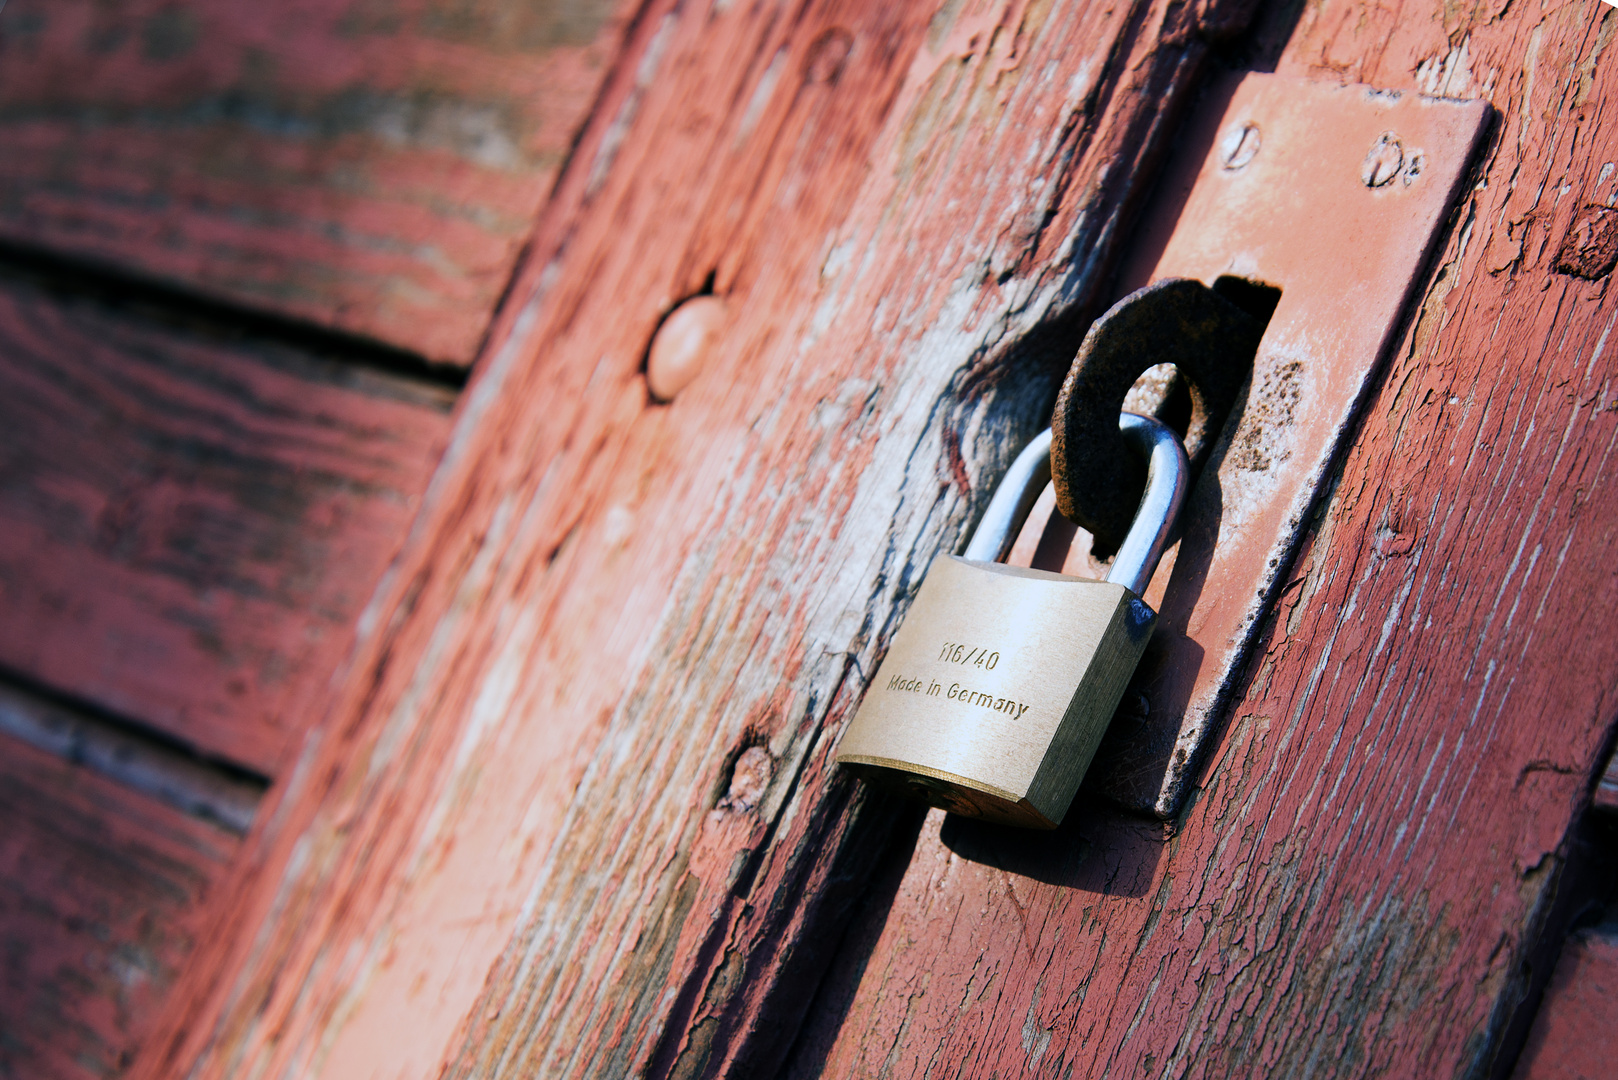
(374, 165)
(101, 895)
(1575, 1036)
(606, 663)
(1360, 879)
(191, 522)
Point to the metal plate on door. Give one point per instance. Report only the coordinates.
(1336, 195)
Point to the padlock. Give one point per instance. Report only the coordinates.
(998, 686)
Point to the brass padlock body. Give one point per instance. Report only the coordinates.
(997, 688)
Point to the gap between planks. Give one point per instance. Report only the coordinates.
(213, 792)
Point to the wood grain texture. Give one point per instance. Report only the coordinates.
(190, 522)
(1357, 884)
(373, 165)
(546, 830)
(101, 894)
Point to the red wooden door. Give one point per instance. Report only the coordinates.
(566, 806)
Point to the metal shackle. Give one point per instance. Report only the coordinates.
(1168, 479)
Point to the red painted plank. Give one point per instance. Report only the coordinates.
(190, 523)
(374, 166)
(101, 896)
(1575, 1034)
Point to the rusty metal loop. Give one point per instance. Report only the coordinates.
(1177, 321)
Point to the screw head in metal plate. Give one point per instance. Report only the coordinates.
(1384, 160)
(1240, 145)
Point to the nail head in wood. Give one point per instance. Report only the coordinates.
(682, 345)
